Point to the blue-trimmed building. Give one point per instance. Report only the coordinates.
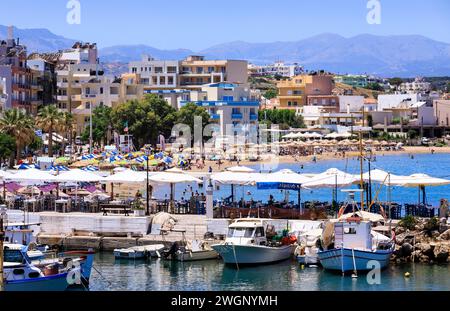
(229, 104)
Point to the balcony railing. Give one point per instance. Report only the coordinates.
(236, 116)
(253, 117)
(215, 116)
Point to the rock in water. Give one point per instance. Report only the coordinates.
(445, 235)
(406, 249)
(441, 252)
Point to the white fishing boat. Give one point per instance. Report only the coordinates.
(349, 244)
(21, 275)
(139, 252)
(247, 243)
(196, 250)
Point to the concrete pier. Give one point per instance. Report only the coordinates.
(84, 231)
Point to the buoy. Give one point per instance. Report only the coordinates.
(354, 276)
(407, 274)
(302, 267)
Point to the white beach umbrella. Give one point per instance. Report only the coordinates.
(331, 178)
(77, 176)
(31, 176)
(126, 176)
(418, 180)
(172, 177)
(385, 178)
(4, 175)
(235, 178)
(285, 176)
(240, 169)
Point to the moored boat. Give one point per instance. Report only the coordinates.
(247, 243)
(196, 250)
(21, 275)
(139, 252)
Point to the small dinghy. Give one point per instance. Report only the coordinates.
(196, 250)
(139, 252)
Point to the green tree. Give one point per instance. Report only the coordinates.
(49, 119)
(7, 147)
(395, 81)
(375, 87)
(66, 127)
(101, 118)
(145, 118)
(286, 117)
(271, 93)
(20, 126)
(187, 114)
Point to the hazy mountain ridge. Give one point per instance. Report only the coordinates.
(400, 55)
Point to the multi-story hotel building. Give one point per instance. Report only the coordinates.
(277, 69)
(294, 93)
(191, 73)
(17, 76)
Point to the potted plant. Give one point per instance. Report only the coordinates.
(138, 208)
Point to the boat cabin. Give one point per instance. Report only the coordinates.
(247, 231)
(16, 265)
(353, 233)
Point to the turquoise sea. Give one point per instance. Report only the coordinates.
(213, 275)
(436, 165)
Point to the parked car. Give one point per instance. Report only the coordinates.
(425, 141)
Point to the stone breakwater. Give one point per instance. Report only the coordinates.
(427, 241)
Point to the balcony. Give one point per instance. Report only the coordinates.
(253, 117)
(62, 84)
(215, 116)
(76, 97)
(236, 116)
(62, 97)
(87, 96)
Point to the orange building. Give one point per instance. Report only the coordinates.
(294, 93)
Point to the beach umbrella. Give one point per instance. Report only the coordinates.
(167, 160)
(25, 166)
(172, 177)
(421, 181)
(90, 168)
(240, 169)
(159, 155)
(126, 176)
(87, 157)
(59, 168)
(77, 176)
(331, 178)
(32, 176)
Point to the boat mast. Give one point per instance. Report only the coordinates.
(361, 163)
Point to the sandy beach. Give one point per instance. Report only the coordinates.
(320, 157)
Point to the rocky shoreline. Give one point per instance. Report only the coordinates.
(422, 240)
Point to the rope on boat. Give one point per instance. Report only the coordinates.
(93, 267)
(235, 259)
(354, 263)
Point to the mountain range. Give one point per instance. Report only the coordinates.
(400, 55)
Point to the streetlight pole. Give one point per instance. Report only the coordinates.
(147, 153)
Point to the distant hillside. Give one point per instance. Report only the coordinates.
(38, 40)
(402, 56)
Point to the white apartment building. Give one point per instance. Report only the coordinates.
(417, 86)
(277, 69)
(190, 73)
(156, 74)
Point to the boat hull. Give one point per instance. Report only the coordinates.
(130, 255)
(51, 283)
(344, 261)
(194, 256)
(252, 254)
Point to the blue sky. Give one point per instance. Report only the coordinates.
(198, 24)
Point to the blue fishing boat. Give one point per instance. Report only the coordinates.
(349, 244)
(21, 275)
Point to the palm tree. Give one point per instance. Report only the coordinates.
(49, 120)
(19, 125)
(66, 127)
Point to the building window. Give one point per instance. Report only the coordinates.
(88, 105)
(210, 69)
(289, 104)
(199, 69)
(289, 92)
(101, 90)
(295, 104)
(170, 80)
(158, 69)
(171, 69)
